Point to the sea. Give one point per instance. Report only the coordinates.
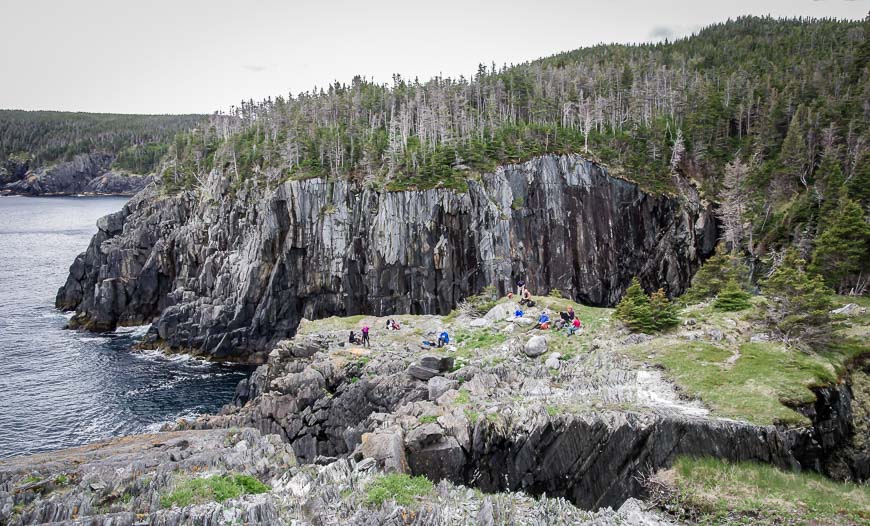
(62, 388)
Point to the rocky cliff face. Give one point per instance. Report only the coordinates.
(85, 174)
(229, 273)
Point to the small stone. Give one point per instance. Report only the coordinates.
(634, 339)
(553, 361)
(716, 335)
(761, 337)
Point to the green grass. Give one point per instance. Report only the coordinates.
(719, 492)
(758, 387)
(428, 419)
(62, 480)
(476, 340)
(398, 487)
(216, 488)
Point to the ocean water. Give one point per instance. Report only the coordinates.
(61, 388)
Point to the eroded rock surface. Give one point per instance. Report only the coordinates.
(228, 273)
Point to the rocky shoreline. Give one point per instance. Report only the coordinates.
(85, 174)
(323, 420)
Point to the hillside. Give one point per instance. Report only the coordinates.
(46, 137)
(767, 117)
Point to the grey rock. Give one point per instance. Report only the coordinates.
(440, 385)
(716, 335)
(637, 338)
(553, 361)
(536, 346)
(422, 373)
(84, 174)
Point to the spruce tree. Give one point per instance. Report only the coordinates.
(842, 251)
(715, 273)
(634, 309)
(732, 297)
(798, 304)
(664, 312)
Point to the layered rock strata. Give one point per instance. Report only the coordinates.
(84, 174)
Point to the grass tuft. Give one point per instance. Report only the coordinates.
(217, 488)
(398, 487)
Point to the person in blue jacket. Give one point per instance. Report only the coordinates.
(443, 339)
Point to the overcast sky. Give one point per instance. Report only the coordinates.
(196, 56)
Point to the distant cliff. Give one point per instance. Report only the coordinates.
(84, 174)
(227, 273)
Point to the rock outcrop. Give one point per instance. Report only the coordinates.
(505, 427)
(84, 174)
(121, 481)
(126, 481)
(229, 272)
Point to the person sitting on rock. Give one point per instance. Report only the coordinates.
(574, 327)
(352, 338)
(396, 326)
(443, 339)
(527, 298)
(543, 321)
(365, 335)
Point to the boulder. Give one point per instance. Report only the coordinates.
(502, 311)
(440, 385)
(536, 346)
(387, 448)
(421, 372)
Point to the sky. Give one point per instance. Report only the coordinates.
(198, 56)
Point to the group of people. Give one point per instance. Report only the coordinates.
(393, 325)
(362, 339)
(568, 320)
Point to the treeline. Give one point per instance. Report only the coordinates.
(769, 117)
(43, 137)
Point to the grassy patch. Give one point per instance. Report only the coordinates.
(476, 340)
(401, 488)
(217, 488)
(758, 387)
(718, 492)
(428, 419)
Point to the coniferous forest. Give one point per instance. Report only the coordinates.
(44, 137)
(769, 118)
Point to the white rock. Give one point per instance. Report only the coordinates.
(536, 346)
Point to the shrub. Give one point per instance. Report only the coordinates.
(483, 302)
